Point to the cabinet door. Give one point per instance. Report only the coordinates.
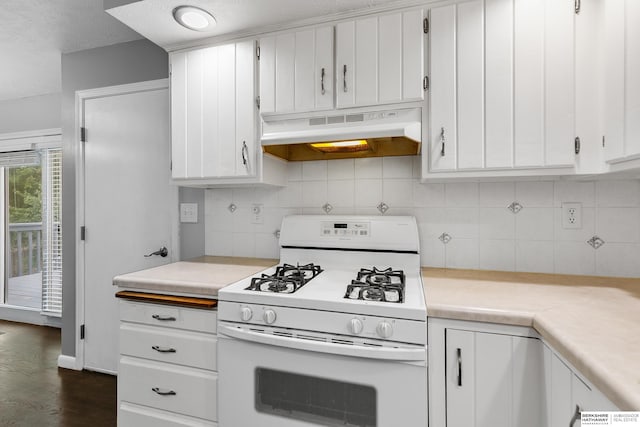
(246, 136)
(178, 114)
(493, 380)
(632, 71)
(558, 379)
(213, 112)
(622, 79)
(314, 69)
(379, 60)
(357, 62)
(442, 48)
(296, 71)
(187, 97)
(345, 60)
(226, 141)
(498, 114)
(277, 73)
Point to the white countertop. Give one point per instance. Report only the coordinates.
(201, 276)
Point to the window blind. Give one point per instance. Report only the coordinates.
(19, 158)
(52, 231)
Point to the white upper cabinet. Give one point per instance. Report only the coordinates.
(622, 80)
(213, 112)
(502, 85)
(379, 60)
(296, 71)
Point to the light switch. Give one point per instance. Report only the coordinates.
(188, 212)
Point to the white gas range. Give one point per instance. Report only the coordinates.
(334, 335)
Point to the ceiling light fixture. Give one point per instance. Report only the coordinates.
(193, 18)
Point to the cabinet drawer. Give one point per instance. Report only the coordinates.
(169, 345)
(130, 415)
(171, 317)
(187, 390)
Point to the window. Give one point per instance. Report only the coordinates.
(31, 185)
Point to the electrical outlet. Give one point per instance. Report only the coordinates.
(188, 212)
(571, 215)
(257, 216)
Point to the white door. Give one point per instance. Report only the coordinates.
(128, 205)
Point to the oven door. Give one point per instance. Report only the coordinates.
(283, 381)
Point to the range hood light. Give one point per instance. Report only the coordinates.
(193, 18)
(342, 146)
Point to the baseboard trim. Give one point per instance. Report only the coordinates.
(68, 362)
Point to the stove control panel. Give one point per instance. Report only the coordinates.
(362, 327)
(346, 229)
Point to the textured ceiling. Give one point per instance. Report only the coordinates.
(34, 34)
(153, 18)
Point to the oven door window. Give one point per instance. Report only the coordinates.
(317, 400)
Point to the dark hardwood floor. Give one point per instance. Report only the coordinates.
(34, 392)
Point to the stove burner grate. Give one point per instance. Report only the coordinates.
(286, 279)
(386, 285)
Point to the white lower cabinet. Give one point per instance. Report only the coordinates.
(167, 370)
(567, 393)
(141, 416)
(489, 375)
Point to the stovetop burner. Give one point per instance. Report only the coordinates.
(385, 285)
(287, 278)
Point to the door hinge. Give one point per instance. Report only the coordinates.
(83, 233)
(81, 332)
(258, 102)
(577, 4)
(603, 140)
(576, 145)
(425, 25)
(83, 134)
(425, 83)
(258, 51)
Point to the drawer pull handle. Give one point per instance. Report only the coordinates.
(163, 350)
(163, 392)
(164, 318)
(459, 354)
(576, 416)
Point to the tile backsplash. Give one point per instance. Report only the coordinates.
(483, 232)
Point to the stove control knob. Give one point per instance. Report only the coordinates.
(269, 316)
(384, 329)
(246, 314)
(356, 326)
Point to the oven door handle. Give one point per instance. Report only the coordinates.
(381, 353)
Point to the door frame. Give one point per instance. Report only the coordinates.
(81, 97)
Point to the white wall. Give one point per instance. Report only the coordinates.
(30, 113)
(485, 234)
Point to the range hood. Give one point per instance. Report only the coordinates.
(386, 132)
